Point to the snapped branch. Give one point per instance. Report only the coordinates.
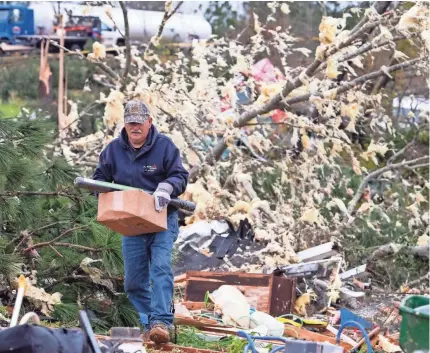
(411, 163)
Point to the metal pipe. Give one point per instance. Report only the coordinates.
(102, 186)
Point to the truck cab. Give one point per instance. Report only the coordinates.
(15, 20)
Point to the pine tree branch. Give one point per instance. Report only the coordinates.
(411, 164)
(56, 251)
(53, 241)
(77, 278)
(76, 246)
(47, 226)
(38, 193)
(127, 44)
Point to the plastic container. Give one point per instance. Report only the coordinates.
(414, 329)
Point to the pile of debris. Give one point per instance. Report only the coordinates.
(282, 311)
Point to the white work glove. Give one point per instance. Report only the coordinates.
(162, 196)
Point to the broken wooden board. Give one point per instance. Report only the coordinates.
(271, 294)
(352, 272)
(319, 252)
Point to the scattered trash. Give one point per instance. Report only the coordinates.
(315, 302)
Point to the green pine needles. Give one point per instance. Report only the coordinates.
(48, 231)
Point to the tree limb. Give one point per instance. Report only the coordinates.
(47, 226)
(76, 246)
(53, 241)
(112, 74)
(363, 49)
(353, 203)
(379, 6)
(401, 152)
(290, 85)
(419, 280)
(127, 44)
(190, 145)
(359, 80)
(166, 17)
(86, 163)
(37, 193)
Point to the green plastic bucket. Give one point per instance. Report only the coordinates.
(414, 329)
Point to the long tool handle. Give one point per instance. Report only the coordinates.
(18, 302)
(102, 186)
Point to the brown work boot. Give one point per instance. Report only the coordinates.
(159, 334)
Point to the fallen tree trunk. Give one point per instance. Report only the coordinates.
(393, 248)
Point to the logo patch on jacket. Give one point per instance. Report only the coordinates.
(149, 168)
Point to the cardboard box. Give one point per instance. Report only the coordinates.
(130, 212)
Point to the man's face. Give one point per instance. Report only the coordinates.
(137, 132)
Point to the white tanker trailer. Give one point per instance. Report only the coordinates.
(143, 24)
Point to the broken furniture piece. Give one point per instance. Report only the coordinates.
(270, 294)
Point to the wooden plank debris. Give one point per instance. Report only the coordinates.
(319, 252)
(352, 272)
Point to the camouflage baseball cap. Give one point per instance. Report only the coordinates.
(136, 112)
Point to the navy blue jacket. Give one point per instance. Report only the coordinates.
(157, 161)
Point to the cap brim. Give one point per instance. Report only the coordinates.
(135, 119)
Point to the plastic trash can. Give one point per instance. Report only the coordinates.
(414, 329)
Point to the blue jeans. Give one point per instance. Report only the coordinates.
(148, 273)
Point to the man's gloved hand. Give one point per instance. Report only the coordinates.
(162, 196)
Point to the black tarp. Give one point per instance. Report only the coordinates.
(237, 247)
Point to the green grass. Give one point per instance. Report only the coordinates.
(10, 109)
(187, 337)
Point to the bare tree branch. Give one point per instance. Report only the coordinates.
(365, 48)
(416, 166)
(112, 74)
(87, 163)
(359, 80)
(353, 203)
(400, 152)
(379, 6)
(127, 44)
(276, 101)
(419, 280)
(166, 17)
(182, 125)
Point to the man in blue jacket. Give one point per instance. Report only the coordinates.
(143, 158)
